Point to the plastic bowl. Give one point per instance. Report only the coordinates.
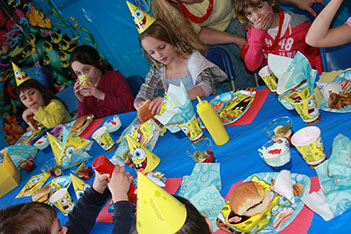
(113, 124)
(282, 121)
(51, 168)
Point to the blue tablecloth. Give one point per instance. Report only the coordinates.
(238, 158)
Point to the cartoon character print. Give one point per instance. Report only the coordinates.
(141, 19)
(192, 129)
(312, 108)
(67, 204)
(80, 192)
(143, 133)
(33, 182)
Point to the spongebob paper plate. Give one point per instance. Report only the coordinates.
(279, 214)
(344, 79)
(230, 106)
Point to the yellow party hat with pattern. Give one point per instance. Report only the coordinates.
(143, 159)
(158, 211)
(141, 19)
(79, 186)
(19, 75)
(56, 147)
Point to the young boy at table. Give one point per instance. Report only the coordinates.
(172, 214)
(35, 217)
(273, 31)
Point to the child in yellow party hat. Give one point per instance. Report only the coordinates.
(175, 59)
(159, 212)
(41, 104)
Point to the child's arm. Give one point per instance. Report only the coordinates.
(210, 36)
(320, 35)
(52, 115)
(254, 55)
(304, 4)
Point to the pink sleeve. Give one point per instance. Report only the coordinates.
(254, 55)
(349, 22)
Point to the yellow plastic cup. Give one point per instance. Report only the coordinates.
(192, 130)
(308, 110)
(83, 82)
(309, 143)
(104, 139)
(269, 79)
(62, 200)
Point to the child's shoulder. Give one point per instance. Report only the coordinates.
(297, 19)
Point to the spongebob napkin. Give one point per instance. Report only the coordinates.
(202, 189)
(33, 184)
(71, 151)
(19, 153)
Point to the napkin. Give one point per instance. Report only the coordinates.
(334, 176)
(202, 188)
(19, 153)
(178, 108)
(283, 185)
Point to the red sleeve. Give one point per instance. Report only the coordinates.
(118, 97)
(254, 55)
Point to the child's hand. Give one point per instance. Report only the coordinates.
(156, 105)
(91, 90)
(307, 5)
(100, 182)
(77, 88)
(119, 184)
(27, 113)
(265, 23)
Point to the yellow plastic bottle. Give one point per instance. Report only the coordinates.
(212, 122)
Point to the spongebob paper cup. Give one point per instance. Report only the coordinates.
(309, 143)
(104, 139)
(308, 110)
(83, 82)
(192, 130)
(269, 78)
(62, 200)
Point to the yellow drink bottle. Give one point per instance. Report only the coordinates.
(212, 122)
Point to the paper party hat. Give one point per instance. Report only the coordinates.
(56, 146)
(158, 211)
(143, 159)
(79, 186)
(19, 75)
(141, 19)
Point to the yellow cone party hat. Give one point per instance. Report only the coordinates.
(19, 75)
(79, 186)
(56, 147)
(143, 159)
(158, 211)
(141, 19)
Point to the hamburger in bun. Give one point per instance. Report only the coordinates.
(144, 113)
(247, 208)
(81, 123)
(42, 195)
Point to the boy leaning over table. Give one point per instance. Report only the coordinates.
(35, 217)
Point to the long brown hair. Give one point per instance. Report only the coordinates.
(177, 22)
(30, 217)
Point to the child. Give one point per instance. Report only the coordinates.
(175, 61)
(35, 217)
(320, 35)
(42, 105)
(272, 31)
(107, 93)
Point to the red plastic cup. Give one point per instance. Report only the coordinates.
(103, 165)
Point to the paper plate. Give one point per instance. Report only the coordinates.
(87, 122)
(280, 212)
(343, 78)
(230, 106)
(28, 137)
